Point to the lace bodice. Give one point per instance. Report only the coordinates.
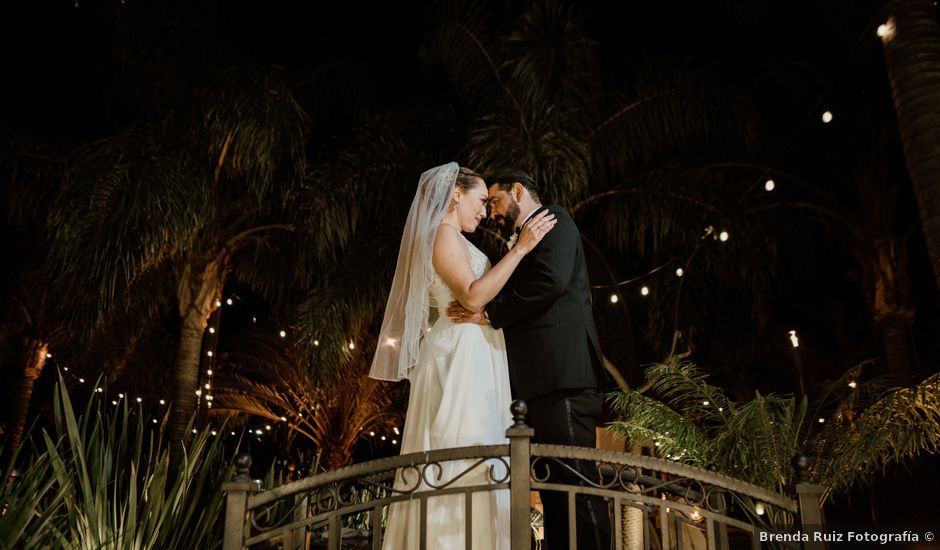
(441, 294)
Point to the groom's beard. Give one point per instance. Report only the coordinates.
(507, 222)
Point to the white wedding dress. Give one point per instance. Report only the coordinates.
(459, 397)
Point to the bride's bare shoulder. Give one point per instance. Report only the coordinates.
(449, 242)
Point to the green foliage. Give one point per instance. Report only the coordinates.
(692, 421)
(106, 481)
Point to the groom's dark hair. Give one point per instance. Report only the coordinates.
(504, 178)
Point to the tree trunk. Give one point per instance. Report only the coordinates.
(893, 310)
(33, 360)
(912, 52)
(199, 290)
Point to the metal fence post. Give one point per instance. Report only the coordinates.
(236, 503)
(809, 497)
(520, 436)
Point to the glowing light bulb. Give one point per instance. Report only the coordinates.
(218, 303)
(794, 340)
(283, 334)
(822, 420)
(113, 402)
(48, 356)
(211, 330)
(214, 432)
(372, 434)
(394, 442)
(383, 438)
(199, 392)
(644, 291)
(163, 401)
(209, 353)
(705, 403)
(769, 186)
(268, 427)
(194, 430)
(121, 395)
(81, 380)
(209, 398)
(853, 384)
(233, 433)
(154, 420)
(759, 508)
(139, 400)
(316, 342)
(614, 298)
(680, 272)
(208, 386)
(395, 429)
(258, 432)
(283, 419)
(827, 117)
(229, 301)
(723, 236)
(209, 372)
(352, 345)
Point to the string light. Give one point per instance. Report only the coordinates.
(199, 392)
(121, 396)
(268, 427)
(208, 386)
(209, 372)
(316, 342)
(645, 291)
(211, 330)
(114, 402)
(759, 508)
(821, 420)
(283, 419)
(283, 334)
(769, 186)
(614, 298)
(723, 236)
(48, 356)
(794, 340)
(258, 432)
(139, 400)
(194, 430)
(372, 434)
(209, 353)
(383, 438)
(853, 384)
(705, 403)
(394, 442)
(81, 380)
(352, 345)
(395, 429)
(214, 432)
(154, 420)
(229, 301)
(827, 117)
(163, 402)
(218, 303)
(680, 272)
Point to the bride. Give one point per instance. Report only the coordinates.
(458, 371)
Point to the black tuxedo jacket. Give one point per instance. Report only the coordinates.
(545, 313)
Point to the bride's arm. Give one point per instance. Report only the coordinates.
(451, 259)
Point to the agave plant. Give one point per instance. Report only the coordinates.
(105, 480)
(861, 432)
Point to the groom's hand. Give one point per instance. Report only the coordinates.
(460, 314)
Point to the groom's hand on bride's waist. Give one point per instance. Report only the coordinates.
(460, 314)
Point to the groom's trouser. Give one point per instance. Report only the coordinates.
(569, 417)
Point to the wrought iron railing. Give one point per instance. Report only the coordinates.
(654, 503)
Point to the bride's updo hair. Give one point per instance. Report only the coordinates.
(467, 179)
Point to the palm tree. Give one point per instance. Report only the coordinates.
(335, 411)
(190, 203)
(912, 50)
(853, 431)
(33, 322)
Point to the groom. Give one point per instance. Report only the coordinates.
(553, 349)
